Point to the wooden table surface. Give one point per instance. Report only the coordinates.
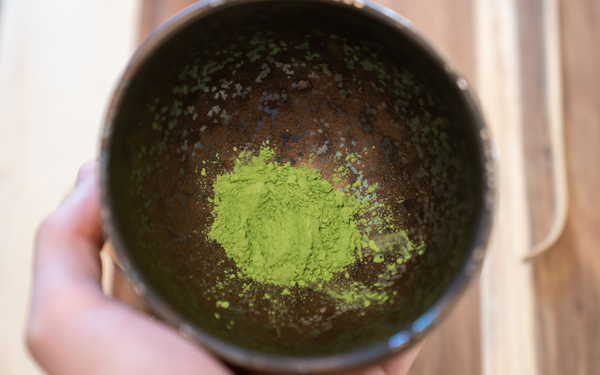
(521, 318)
(567, 279)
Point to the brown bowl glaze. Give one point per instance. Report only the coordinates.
(313, 78)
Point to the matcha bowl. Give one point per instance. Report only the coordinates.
(342, 95)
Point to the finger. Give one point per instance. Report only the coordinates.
(67, 260)
(70, 239)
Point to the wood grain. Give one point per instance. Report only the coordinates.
(155, 12)
(567, 279)
(507, 308)
(536, 147)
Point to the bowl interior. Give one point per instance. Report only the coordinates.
(330, 87)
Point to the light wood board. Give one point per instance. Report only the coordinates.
(58, 63)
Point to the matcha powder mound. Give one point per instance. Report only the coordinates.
(284, 225)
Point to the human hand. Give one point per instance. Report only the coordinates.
(75, 329)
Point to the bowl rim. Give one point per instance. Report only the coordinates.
(394, 344)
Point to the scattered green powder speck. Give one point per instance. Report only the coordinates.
(288, 227)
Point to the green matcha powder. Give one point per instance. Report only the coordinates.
(284, 225)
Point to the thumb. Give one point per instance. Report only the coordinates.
(69, 240)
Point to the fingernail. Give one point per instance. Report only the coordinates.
(84, 173)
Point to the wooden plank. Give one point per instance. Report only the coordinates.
(536, 142)
(58, 63)
(155, 12)
(567, 278)
(507, 309)
(447, 23)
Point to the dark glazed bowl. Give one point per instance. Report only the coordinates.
(314, 78)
